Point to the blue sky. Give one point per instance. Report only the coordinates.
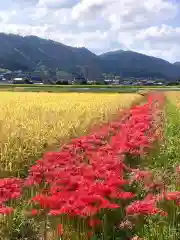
(151, 27)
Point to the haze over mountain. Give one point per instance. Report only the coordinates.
(26, 53)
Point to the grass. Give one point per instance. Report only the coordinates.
(85, 85)
(32, 123)
(67, 88)
(83, 88)
(33, 112)
(163, 164)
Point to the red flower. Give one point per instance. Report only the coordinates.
(89, 211)
(94, 222)
(60, 230)
(173, 196)
(89, 173)
(6, 210)
(124, 195)
(90, 234)
(34, 212)
(143, 207)
(10, 188)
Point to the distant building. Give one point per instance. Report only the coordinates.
(115, 82)
(36, 79)
(112, 81)
(63, 77)
(91, 82)
(100, 79)
(79, 80)
(18, 80)
(3, 80)
(21, 80)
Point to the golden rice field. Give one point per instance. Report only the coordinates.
(31, 123)
(174, 97)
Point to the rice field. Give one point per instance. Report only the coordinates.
(174, 97)
(118, 181)
(32, 123)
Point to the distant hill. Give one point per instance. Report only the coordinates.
(26, 53)
(129, 63)
(177, 63)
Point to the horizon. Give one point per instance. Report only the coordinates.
(150, 28)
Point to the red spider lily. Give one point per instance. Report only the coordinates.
(60, 230)
(10, 188)
(173, 196)
(90, 234)
(144, 207)
(90, 173)
(74, 203)
(33, 212)
(94, 222)
(123, 195)
(6, 210)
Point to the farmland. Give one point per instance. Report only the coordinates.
(83, 88)
(90, 166)
(31, 123)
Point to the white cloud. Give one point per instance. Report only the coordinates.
(100, 25)
(56, 3)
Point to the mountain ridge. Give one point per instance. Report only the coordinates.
(29, 52)
(130, 63)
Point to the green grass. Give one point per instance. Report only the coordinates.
(169, 155)
(55, 88)
(93, 90)
(164, 164)
(83, 88)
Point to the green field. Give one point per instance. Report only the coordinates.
(81, 88)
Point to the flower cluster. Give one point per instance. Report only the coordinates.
(173, 196)
(10, 189)
(89, 174)
(144, 207)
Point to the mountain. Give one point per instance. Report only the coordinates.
(31, 52)
(177, 63)
(129, 63)
(26, 53)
